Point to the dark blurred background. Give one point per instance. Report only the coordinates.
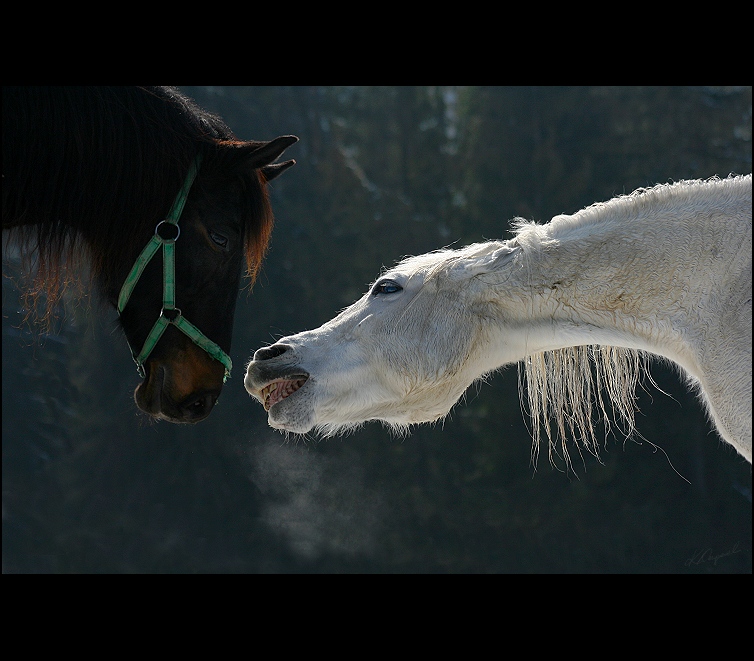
(91, 486)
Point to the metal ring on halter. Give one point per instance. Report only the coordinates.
(169, 224)
(171, 314)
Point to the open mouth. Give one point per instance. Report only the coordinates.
(279, 389)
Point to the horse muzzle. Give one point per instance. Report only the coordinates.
(183, 391)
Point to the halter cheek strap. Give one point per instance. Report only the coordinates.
(165, 235)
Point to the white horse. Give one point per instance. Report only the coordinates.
(581, 301)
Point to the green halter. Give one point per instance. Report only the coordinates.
(170, 314)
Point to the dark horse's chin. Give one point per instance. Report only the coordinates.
(180, 395)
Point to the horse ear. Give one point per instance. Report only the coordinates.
(272, 171)
(256, 155)
(491, 260)
(262, 154)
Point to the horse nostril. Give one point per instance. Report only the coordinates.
(200, 407)
(267, 353)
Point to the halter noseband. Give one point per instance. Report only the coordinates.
(169, 314)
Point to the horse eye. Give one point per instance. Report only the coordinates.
(386, 287)
(220, 239)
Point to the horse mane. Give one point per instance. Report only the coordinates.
(101, 165)
(627, 208)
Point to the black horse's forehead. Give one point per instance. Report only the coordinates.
(220, 195)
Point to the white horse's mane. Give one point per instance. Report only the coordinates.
(623, 209)
(564, 387)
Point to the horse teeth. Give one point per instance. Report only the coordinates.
(275, 392)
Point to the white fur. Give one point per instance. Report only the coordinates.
(580, 300)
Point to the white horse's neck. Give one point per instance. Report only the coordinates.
(628, 273)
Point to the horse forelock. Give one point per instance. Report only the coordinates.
(258, 222)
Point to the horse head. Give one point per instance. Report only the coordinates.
(226, 223)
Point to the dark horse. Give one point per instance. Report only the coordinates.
(89, 173)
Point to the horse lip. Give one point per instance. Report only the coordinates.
(277, 390)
